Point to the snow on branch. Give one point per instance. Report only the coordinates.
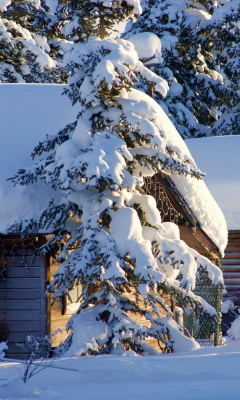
(114, 242)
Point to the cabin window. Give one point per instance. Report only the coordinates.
(75, 293)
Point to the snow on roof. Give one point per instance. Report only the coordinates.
(30, 111)
(194, 191)
(219, 158)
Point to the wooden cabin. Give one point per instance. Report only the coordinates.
(24, 307)
(219, 158)
(173, 208)
(24, 273)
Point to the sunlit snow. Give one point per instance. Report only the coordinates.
(204, 374)
(28, 113)
(41, 109)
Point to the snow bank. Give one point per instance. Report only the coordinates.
(219, 158)
(3, 347)
(209, 374)
(28, 113)
(234, 331)
(226, 306)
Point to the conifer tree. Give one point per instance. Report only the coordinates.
(111, 236)
(92, 18)
(29, 48)
(221, 37)
(193, 46)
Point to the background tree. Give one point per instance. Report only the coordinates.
(92, 18)
(222, 36)
(200, 92)
(31, 46)
(113, 241)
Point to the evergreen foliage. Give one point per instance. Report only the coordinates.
(199, 44)
(110, 233)
(78, 25)
(30, 43)
(222, 37)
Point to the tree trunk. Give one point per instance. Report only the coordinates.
(150, 90)
(102, 23)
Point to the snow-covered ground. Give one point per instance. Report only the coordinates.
(204, 374)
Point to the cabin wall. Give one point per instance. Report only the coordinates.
(231, 267)
(58, 314)
(173, 208)
(22, 293)
(24, 275)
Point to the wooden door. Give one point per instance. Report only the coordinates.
(22, 294)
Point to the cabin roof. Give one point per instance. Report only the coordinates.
(28, 113)
(219, 158)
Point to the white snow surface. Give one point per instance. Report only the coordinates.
(226, 306)
(89, 333)
(202, 15)
(133, 3)
(147, 45)
(234, 330)
(194, 191)
(52, 4)
(40, 109)
(3, 347)
(219, 157)
(221, 14)
(203, 374)
(4, 4)
(204, 208)
(127, 233)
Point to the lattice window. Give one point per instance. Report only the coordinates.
(17, 248)
(153, 187)
(206, 329)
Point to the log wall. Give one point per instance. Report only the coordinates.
(231, 266)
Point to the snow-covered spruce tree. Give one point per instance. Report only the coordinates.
(25, 52)
(92, 18)
(200, 94)
(222, 34)
(33, 15)
(112, 239)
